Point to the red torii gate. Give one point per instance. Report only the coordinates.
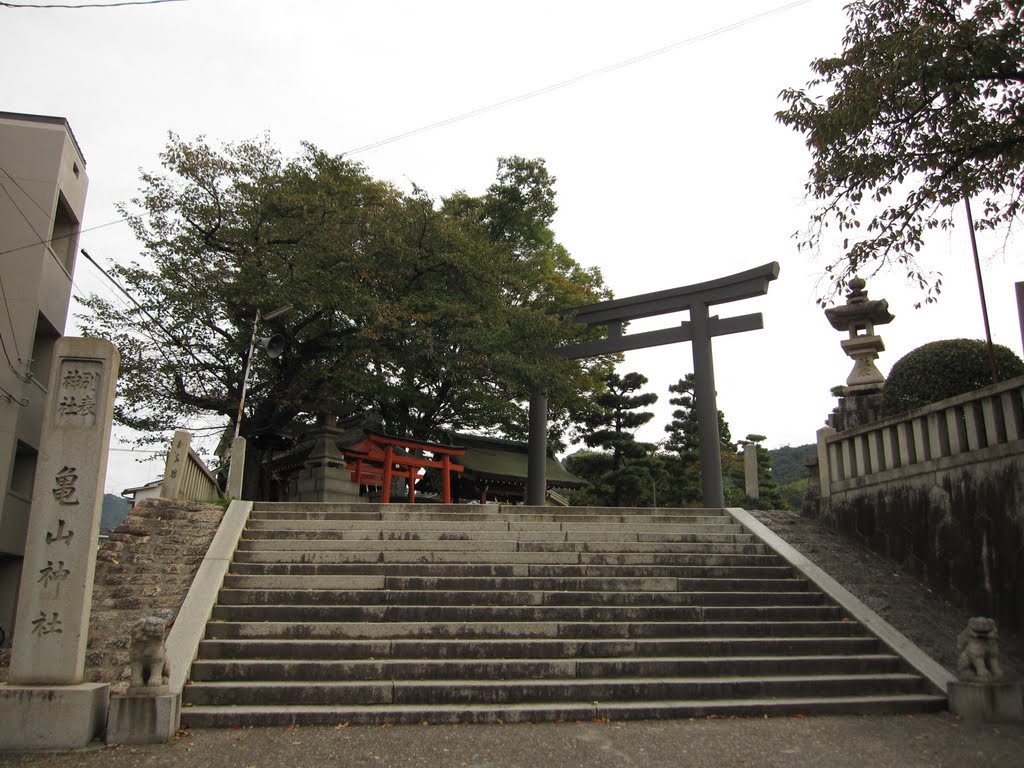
(377, 460)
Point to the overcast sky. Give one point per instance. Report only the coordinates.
(671, 169)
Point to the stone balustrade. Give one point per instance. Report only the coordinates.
(186, 475)
(985, 424)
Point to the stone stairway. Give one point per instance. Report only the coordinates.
(411, 614)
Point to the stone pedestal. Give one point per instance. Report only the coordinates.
(325, 477)
(988, 702)
(856, 410)
(48, 717)
(142, 718)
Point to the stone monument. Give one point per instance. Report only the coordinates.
(861, 399)
(324, 476)
(47, 705)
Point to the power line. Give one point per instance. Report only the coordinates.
(24, 191)
(3, 292)
(181, 344)
(88, 5)
(61, 237)
(573, 80)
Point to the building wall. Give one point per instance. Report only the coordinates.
(43, 186)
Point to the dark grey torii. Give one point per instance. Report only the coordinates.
(699, 329)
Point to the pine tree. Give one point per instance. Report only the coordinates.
(684, 441)
(611, 422)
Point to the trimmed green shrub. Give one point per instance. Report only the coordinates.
(942, 369)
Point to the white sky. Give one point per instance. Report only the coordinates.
(671, 170)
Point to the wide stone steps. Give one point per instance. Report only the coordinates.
(526, 629)
(537, 648)
(439, 714)
(270, 563)
(523, 594)
(526, 690)
(501, 669)
(362, 614)
(322, 552)
(519, 614)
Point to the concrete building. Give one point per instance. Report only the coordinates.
(42, 200)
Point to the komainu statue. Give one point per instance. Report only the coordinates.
(978, 651)
(151, 669)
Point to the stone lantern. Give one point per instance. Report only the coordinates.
(862, 397)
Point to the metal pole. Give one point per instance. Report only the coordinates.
(707, 408)
(1020, 312)
(537, 457)
(981, 291)
(245, 378)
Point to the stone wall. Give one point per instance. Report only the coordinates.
(959, 527)
(144, 568)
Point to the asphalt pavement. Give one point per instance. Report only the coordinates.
(876, 741)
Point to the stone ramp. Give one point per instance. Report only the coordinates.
(399, 614)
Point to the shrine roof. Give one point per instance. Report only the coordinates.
(501, 459)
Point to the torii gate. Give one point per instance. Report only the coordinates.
(699, 329)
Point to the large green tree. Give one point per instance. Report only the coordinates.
(923, 109)
(439, 314)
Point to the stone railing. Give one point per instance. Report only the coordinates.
(186, 475)
(981, 425)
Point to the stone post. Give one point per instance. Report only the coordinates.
(537, 451)
(236, 469)
(177, 457)
(1020, 311)
(47, 705)
(750, 471)
(704, 395)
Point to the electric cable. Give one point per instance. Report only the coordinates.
(573, 80)
(62, 237)
(66, 6)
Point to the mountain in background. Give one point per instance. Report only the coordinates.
(115, 509)
(790, 472)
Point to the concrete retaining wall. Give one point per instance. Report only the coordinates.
(950, 507)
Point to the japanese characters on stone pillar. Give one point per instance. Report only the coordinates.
(60, 551)
(177, 458)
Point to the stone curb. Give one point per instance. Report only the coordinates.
(932, 671)
(190, 623)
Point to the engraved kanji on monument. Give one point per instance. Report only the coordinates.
(55, 598)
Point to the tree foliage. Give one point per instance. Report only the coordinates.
(622, 473)
(682, 446)
(438, 314)
(943, 369)
(923, 108)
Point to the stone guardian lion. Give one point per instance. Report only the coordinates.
(978, 651)
(150, 667)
